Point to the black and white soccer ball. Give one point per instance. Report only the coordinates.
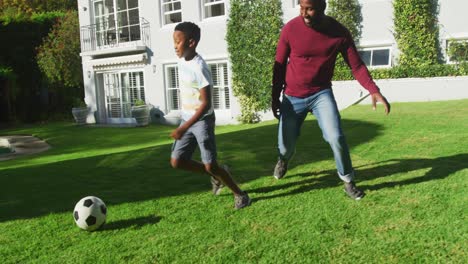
(90, 213)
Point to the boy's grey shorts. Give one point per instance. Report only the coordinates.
(201, 133)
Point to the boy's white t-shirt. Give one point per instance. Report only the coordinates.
(193, 75)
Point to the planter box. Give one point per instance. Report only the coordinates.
(141, 114)
(80, 114)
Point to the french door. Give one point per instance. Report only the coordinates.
(121, 90)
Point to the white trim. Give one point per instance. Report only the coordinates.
(129, 60)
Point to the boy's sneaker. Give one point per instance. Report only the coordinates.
(280, 169)
(241, 201)
(216, 185)
(352, 191)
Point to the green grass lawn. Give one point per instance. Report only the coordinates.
(413, 165)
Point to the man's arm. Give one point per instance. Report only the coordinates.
(279, 73)
(361, 73)
(205, 105)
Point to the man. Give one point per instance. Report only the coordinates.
(304, 65)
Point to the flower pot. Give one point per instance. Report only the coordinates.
(80, 114)
(141, 114)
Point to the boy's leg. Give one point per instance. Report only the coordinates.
(204, 133)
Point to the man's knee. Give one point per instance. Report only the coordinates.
(335, 139)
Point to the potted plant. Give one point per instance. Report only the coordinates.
(140, 111)
(80, 111)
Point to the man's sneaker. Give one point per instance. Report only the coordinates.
(241, 201)
(352, 191)
(280, 169)
(216, 185)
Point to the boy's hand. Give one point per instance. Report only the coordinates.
(177, 133)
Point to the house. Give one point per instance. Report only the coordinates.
(128, 54)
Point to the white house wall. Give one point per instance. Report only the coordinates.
(377, 31)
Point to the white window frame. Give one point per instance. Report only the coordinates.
(114, 25)
(372, 49)
(447, 43)
(216, 2)
(223, 86)
(163, 13)
(168, 88)
(296, 3)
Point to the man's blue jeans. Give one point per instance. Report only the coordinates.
(323, 105)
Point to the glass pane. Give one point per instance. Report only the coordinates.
(365, 56)
(380, 57)
(108, 6)
(173, 18)
(122, 19)
(214, 10)
(177, 6)
(133, 16)
(135, 33)
(167, 8)
(121, 5)
(132, 3)
(124, 34)
(98, 8)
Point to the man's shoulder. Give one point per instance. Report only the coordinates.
(293, 22)
(334, 26)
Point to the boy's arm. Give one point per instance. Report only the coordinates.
(205, 105)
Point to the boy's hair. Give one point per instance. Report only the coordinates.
(190, 30)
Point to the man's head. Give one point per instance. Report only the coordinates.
(312, 11)
(186, 37)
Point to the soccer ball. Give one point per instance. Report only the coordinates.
(90, 213)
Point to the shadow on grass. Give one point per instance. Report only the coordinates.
(145, 174)
(134, 223)
(439, 168)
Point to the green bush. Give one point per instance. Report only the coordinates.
(252, 34)
(401, 71)
(416, 31)
(458, 50)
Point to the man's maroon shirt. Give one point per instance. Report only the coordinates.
(312, 55)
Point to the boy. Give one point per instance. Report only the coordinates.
(198, 118)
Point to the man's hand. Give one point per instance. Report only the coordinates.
(378, 97)
(275, 107)
(177, 133)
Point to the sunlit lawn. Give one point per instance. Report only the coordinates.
(413, 165)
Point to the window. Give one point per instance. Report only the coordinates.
(457, 50)
(220, 93)
(172, 87)
(122, 89)
(376, 57)
(219, 73)
(171, 11)
(116, 21)
(213, 8)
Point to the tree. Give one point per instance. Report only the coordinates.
(58, 56)
(252, 33)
